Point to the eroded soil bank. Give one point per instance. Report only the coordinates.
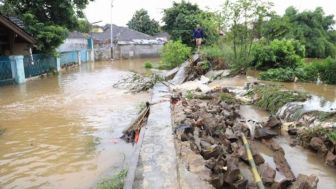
(210, 118)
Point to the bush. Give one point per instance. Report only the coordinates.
(174, 53)
(327, 71)
(277, 54)
(306, 72)
(148, 65)
(219, 55)
(279, 74)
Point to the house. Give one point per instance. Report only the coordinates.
(162, 36)
(14, 40)
(127, 43)
(74, 41)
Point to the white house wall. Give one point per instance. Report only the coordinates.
(73, 44)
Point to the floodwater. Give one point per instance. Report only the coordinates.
(328, 92)
(301, 160)
(63, 131)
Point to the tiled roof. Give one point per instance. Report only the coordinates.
(121, 34)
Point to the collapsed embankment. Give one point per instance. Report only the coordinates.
(210, 127)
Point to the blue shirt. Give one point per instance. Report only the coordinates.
(198, 33)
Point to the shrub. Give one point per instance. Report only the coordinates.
(279, 74)
(174, 53)
(277, 54)
(219, 55)
(327, 71)
(148, 65)
(306, 72)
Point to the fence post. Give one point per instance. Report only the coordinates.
(18, 71)
(91, 49)
(79, 57)
(58, 64)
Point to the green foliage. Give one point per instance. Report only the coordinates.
(47, 21)
(314, 29)
(307, 134)
(272, 98)
(323, 70)
(148, 65)
(276, 28)
(180, 20)
(243, 18)
(116, 182)
(84, 26)
(279, 74)
(174, 53)
(277, 54)
(219, 52)
(228, 98)
(143, 23)
(49, 37)
(210, 22)
(327, 71)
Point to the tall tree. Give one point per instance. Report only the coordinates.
(314, 29)
(242, 18)
(143, 23)
(47, 20)
(180, 20)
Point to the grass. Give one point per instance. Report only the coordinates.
(307, 134)
(272, 98)
(148, 65)
(115, 182)
(228, 98)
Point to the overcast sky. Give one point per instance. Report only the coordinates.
(123, 10)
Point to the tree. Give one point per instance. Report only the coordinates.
(84, 26)
(47, 20)
(141, 22)
(314, 29)
(242, 18)
(180, 20)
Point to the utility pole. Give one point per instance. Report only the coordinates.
(112, 51)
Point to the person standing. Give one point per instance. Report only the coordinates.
(198, 36)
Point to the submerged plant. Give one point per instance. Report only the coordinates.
(228, 98)
(148, 65)
(272, 98)
(115, 182)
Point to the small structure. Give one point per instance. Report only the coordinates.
(128, 43)
(14, 40)
(74, 41)
(162, 36)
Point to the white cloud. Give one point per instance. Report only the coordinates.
(100, 10)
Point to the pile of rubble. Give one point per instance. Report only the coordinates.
(213, 128)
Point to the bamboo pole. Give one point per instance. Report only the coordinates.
(254, 170)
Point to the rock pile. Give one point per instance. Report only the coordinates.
(213, 128)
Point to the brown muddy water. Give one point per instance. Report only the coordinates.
(301, 160)
(63, 131)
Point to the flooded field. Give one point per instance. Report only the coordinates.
(63, 131)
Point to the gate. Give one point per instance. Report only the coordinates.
(38, 64)
(5, 70)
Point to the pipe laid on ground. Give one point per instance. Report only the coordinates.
(254, 170)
